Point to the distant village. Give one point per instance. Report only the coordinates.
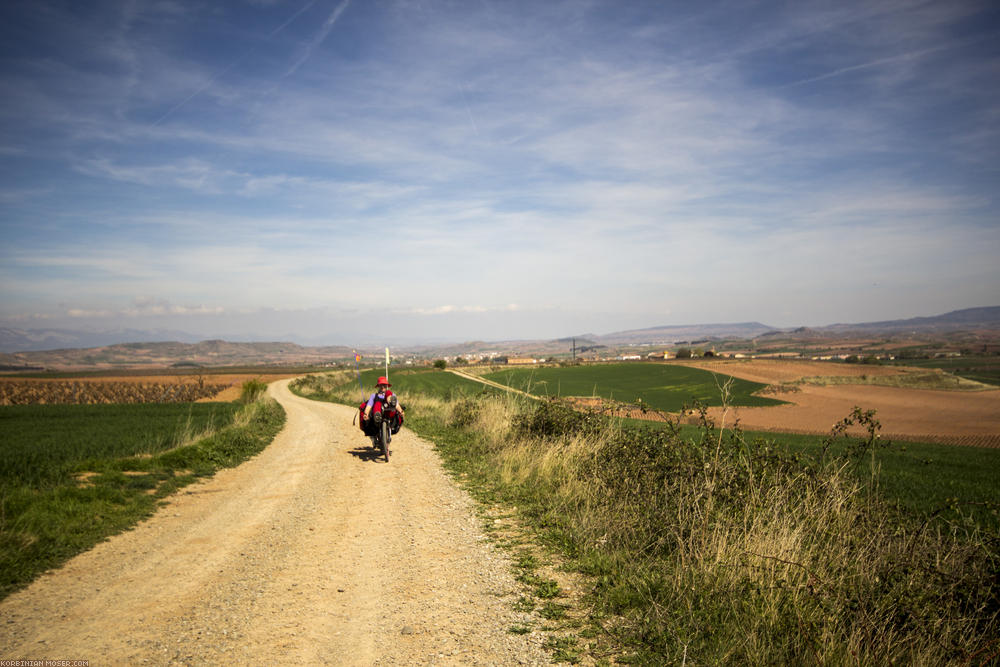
(858, 355)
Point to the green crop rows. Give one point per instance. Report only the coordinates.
(44, 444)
(441, 384)
(660, 386)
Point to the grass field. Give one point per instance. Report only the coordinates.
(981, 369)
(430, 382)
(71, 475)
(664, 387)
(46, 444)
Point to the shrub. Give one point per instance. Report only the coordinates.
(553, 418)
(252, 390)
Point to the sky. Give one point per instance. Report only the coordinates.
(341, 171)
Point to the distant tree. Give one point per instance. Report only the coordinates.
(441, 363)
(684, 353)
(461, 360)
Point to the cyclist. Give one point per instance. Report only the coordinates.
(372, 417)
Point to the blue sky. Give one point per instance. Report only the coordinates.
(338, 170)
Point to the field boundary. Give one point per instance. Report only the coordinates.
(491, 383)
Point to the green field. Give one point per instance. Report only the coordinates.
(45, 444)
(661, 386)
(432, 382)
(71, 475)
(981, 369)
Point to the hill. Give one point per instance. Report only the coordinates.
(977, 328)
(161, 354)
(956, 320)
(673, 334)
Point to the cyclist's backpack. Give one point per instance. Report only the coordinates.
(361, 415)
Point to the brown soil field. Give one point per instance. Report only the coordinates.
(773, 371)
(231, 384)
(951, 417)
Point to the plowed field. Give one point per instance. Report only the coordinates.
(951, 417)
(126, 388)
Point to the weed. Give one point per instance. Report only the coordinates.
(524, 604)
(553, 611)
(564, 649)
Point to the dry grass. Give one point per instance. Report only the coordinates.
(720, 551)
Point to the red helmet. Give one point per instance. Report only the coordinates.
(383, 380)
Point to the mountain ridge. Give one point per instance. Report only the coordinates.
(222, 352)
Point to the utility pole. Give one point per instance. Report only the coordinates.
(574, 349)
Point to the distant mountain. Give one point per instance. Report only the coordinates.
(671, 334)
(64, 348)
(24, 340)
(204, 353)
(965, 319)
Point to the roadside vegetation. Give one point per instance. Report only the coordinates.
(708, 545)
(72, 475)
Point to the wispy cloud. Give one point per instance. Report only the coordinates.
(307, 50)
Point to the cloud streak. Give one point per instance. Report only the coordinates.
(307, 51)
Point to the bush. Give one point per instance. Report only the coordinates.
(440, 364)
(552, 418)
(252, 390)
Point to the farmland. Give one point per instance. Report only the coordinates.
(666, 387)
(981, 369)
(929, 415)
(46, 444)
(345, 385)
(126, 388)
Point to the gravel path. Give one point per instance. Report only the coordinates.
(314, 552)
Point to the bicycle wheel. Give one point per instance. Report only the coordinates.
(384, 438)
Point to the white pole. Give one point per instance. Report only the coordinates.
(387, 364)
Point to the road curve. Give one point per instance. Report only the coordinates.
(313, 552)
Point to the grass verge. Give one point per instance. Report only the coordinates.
(89, 492)
(709, 546)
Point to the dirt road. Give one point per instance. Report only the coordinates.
(311, 553)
